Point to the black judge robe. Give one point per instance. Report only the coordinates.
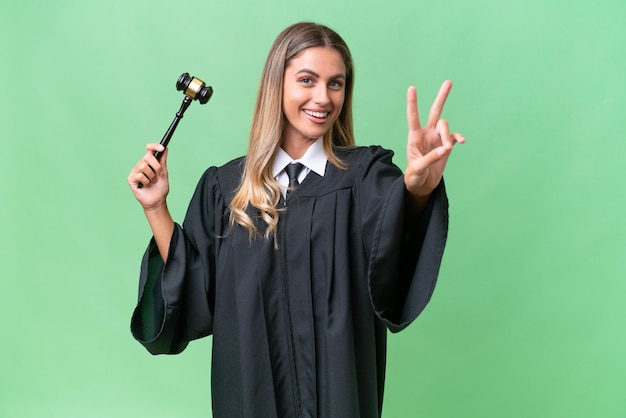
(298, 330)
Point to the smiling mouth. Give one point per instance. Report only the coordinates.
(319, 115)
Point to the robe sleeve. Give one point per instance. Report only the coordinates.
(405, 256)
(175, 302)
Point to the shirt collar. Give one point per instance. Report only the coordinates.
(314, 159)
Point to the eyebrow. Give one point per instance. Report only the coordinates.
(314, 74)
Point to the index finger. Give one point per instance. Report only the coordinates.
(411, 109)
(437, 107)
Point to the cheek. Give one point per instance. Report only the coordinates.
(290, 108)
(292, 101)
(338, 103)
(300, 97)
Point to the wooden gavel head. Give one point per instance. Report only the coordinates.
(194, 88)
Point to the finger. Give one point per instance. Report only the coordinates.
(159, 155)
(146, 170)
(163, 160)
(136, 177)
(149, 165)
(149, 158)
(153, 167)
(152, 147)
(434, 156)
(458, 138)
(444, 133)
(411, 109)
(437, 108)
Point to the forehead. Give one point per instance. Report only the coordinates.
(318, 59)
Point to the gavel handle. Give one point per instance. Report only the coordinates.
(170, 131)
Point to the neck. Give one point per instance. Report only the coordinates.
(297, 147)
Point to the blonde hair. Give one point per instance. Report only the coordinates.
(258, 188)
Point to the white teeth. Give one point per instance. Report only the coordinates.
(316, 114)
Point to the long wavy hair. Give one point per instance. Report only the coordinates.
(258, 188)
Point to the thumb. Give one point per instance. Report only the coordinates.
(163, 159)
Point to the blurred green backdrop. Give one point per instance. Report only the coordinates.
(528, 317)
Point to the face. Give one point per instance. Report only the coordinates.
(313, 93)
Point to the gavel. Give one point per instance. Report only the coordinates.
(194, 89)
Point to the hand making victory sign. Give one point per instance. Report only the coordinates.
(429, 147)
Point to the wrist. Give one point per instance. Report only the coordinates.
(156, 208)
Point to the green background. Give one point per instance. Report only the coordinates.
(528, 317)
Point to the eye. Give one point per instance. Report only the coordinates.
(307, 81)
(335, 84)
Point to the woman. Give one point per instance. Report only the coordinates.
(297, 279)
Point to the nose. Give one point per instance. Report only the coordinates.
(320, 95)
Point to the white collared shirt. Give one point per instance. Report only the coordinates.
(314, 159)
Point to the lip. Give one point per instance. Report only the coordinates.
(317, 115)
